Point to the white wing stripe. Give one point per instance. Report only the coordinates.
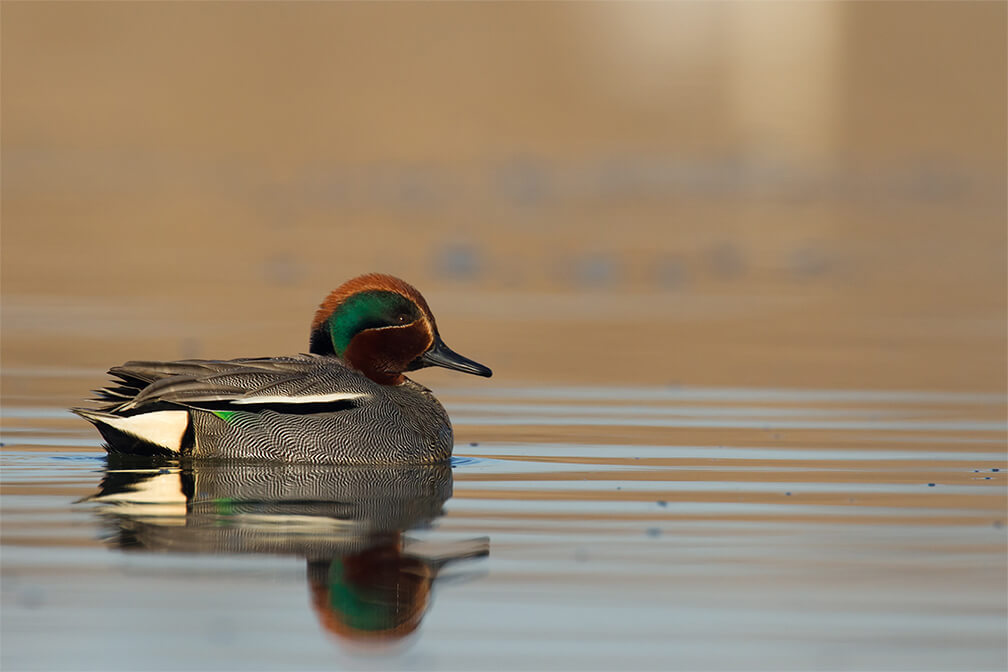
(309, 399)
(162, 428)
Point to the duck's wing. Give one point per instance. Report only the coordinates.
(132, 377)
(241, 383)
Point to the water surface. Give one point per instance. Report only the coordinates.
(583, 528)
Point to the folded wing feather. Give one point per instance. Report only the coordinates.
(306, 379)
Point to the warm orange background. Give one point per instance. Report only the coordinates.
(773, 194)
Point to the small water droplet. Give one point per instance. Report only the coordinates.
(662, 502)
(931, 485)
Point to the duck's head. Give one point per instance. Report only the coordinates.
(382, 326)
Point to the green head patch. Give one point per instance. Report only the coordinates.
(367, 608)
(370, 309)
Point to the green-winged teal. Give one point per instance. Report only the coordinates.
(347, 402)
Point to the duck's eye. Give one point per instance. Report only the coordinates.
(402, 318)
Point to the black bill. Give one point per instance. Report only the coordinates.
(441, 355)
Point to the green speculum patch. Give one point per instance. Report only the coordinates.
(368, 310)
(224, 415)
(224, 506)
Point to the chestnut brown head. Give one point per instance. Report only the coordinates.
(382, 327)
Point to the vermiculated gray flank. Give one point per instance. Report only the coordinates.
(307, 408)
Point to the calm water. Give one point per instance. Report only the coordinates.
(612, 197)
(584, 528)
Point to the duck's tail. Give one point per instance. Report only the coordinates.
(152, 433)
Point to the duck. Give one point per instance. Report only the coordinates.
(346, 401)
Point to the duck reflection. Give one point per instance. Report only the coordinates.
(368, 580)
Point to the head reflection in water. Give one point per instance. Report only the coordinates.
(368, 581)
(379, 594)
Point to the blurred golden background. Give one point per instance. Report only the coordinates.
(772, 194)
